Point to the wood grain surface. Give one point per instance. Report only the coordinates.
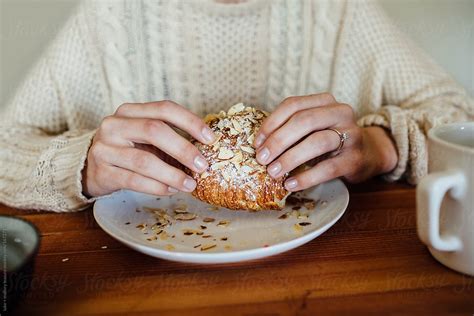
(370, 262)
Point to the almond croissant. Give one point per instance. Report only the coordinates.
(235, 179)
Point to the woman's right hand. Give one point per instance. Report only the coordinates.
(130, 147)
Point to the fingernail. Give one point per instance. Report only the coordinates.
(291, 183)
(263, 155)
(208, 134)
(189, 184)
(259, 141)
(274, 169)
(200, 163)
(172, 190)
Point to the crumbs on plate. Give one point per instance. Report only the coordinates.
(300, 209)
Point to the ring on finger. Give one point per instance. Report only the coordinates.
(343, 136)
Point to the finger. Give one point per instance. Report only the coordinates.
(286, 109)
(115, 178)
(160, 154)
(313, 146)
(122, 131)
(150, 166)
(172, 113)
(324, 171)
(299, 125)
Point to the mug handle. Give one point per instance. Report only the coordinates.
(429, 195)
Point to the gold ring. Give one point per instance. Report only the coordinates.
(342, 138)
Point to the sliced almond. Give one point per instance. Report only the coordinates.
(237, 157)
(218, 165)
(180, 210)
(208, 220)
(142, 227)
(236, 108)
(248, 149)
(237, 126)
(207, 247)
(185, 217)
(233, 131)
(223, 223)
(225, 153)
(155, 210)
(251, 138)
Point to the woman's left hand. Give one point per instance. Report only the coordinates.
(298, 131)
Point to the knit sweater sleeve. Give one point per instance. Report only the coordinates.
(44, 139)
(398, 86)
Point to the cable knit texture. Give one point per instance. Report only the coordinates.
(207, 56)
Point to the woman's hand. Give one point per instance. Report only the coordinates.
(297, 132)
(131, 147)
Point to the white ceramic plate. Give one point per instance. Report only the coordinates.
(249, 235)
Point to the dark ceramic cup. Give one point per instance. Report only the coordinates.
(18, 247)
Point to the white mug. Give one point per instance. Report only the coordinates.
(445, 197)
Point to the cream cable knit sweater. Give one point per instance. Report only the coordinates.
(207, 56)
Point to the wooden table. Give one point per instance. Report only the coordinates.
(371, 261)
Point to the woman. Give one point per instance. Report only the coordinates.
(88, 119)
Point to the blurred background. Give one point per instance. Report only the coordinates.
(444, 28)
